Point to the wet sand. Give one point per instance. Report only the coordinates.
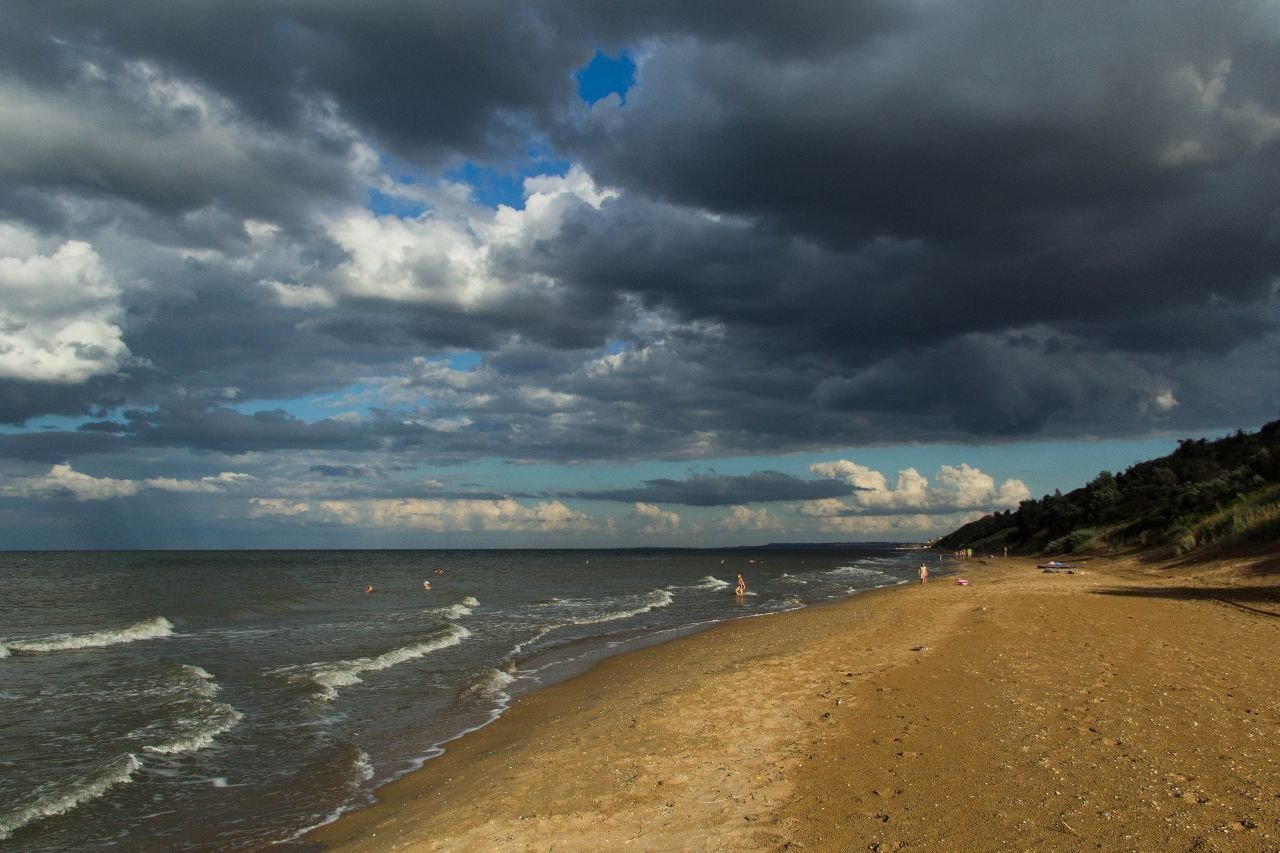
(1127, 706)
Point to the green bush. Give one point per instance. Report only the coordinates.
(1081, 539)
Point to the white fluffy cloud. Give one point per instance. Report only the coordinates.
(957, 488)
(64, 481)
(890, 526)
(443, 257)
(745, 518)
(428, 514)
(205, 485)
(654, 519)
(58, 312)
(969, 488)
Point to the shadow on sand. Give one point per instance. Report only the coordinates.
(1264, 600)
(1256, 560)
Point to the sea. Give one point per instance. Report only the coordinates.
(232, 700)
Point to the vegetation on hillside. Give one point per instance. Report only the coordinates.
(1204, 492)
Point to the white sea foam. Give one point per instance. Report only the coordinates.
(711, 582)
(519, 648)
(456, 611)
(643, 603)
(492, 685)
(202, 719)
(148, 630)
(64, 798)
(199, 681)
(650, 601)
(202, 731)
(363, 767)
(333, 675)
(361, 772)
(857, 571)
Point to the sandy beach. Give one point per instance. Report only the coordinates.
(1128, 705)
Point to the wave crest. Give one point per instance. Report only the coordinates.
(493, 684)
(202, 719)
(333, 675)
(149, 629)
(651, 601)
(64, 798)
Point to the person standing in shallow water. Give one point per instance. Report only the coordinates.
(924, 573)
(742, 587)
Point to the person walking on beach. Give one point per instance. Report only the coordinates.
(742, 587)
(924, 573)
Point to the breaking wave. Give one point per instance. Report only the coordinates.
(640, 603)
(65, 797)
(202, 719)
(857, 571)
(333, 675)
(492, 684)
(461, 609)
(711, 582)
(648, 601)
(147, 630)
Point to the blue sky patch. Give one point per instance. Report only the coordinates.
(462, 361)
(314, 407)
(605, 75)
(387, 205)
(492, 185)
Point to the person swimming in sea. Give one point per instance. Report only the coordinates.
(426, 585)
(369, 588)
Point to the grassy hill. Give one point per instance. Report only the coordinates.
(1224, 491)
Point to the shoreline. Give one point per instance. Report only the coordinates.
(935, 715)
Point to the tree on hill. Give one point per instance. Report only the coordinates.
(1202, 492)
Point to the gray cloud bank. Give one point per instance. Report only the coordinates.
(877, 222)
(719, 490)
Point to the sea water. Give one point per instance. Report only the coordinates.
(231, 700)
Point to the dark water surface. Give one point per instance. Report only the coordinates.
(222, 700)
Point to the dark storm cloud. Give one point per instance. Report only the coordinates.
(430, 79)
(203, 428)
(24, 399)
(58, 446)
(722, 490)
(1100, 175)
(1011, 159)
(836, 224)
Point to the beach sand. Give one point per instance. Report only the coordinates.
(1126, 706)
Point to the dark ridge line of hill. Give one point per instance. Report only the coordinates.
(1204, 492)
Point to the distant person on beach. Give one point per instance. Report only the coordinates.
(924, 573)
(742, 586)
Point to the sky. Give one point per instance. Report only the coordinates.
(421, 273)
